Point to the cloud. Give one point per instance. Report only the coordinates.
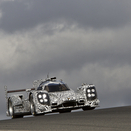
(69, 50)
(19, 15)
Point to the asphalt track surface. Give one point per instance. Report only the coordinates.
(111, 119)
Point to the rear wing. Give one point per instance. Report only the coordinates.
(12, 91)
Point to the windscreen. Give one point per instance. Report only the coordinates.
(56, 87)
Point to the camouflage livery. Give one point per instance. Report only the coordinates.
(50, 95)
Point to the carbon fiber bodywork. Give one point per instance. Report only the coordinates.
(51, 95)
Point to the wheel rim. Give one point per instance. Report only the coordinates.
(10, 110)
(32, 108)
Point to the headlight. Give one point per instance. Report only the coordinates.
(93, 95)
(93, 90)
(89, 95)
(43, 98)
(88, 90)
(39, 96)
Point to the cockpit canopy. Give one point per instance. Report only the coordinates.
(53, 87)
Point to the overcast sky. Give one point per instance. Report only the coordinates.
(75, 40)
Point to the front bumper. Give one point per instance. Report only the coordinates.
(72, 105)
(93, 103)
(76, 105)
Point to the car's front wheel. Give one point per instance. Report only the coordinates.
(32, 106)
(64, 111)
(88, 108)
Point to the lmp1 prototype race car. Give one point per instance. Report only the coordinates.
(50, 95)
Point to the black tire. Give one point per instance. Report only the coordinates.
(65, 111)
(32, 106)
(88, 108)
(11, 110)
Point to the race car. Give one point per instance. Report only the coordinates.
(50, 95)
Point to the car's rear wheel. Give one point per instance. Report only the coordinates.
(11, 110)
